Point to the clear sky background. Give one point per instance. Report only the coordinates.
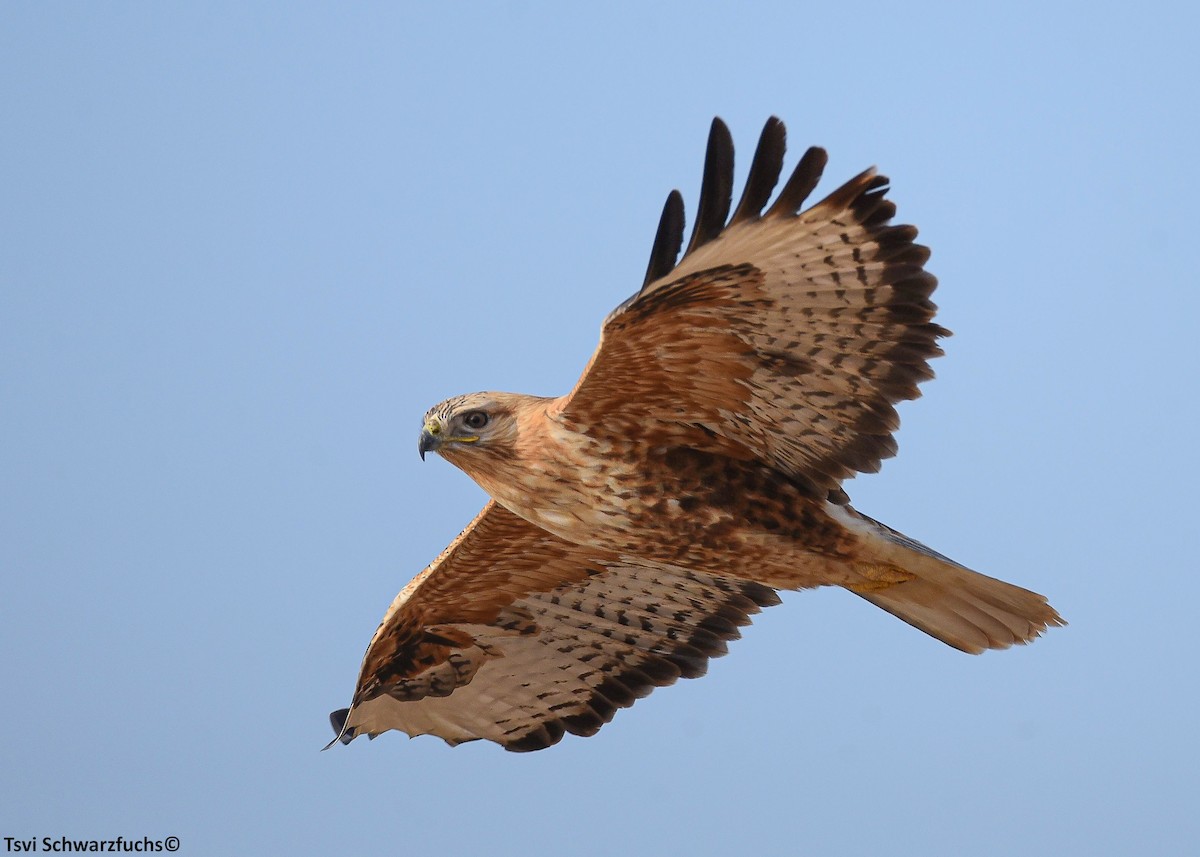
(243, 247)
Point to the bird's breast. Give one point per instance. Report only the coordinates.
(676, 504)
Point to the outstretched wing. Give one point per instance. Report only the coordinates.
(518, 637)
(780, 335)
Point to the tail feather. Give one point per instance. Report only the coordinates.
(973, 613)
(962, 608)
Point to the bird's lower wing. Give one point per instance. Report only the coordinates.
(517, 637)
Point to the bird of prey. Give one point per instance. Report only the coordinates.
(696, 468)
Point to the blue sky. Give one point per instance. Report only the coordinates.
(245, 247)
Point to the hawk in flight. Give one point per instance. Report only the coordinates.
(697, 466)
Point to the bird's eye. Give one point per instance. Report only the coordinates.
(475, 420)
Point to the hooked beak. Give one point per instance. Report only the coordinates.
(429, 441)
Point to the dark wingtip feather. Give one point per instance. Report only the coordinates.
(716, 191)
(668, 240)
(802, 182)
(764, 171)
(864, 191)
(337, 719)
(545, 735)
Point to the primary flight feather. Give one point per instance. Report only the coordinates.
(697, 466)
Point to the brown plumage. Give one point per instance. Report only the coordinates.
(519, 637)
(700, 457)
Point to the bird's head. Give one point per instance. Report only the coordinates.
(471, 428)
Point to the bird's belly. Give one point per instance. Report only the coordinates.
(694, 509)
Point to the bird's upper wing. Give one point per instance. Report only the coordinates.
(516, 636)
(780, 335)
